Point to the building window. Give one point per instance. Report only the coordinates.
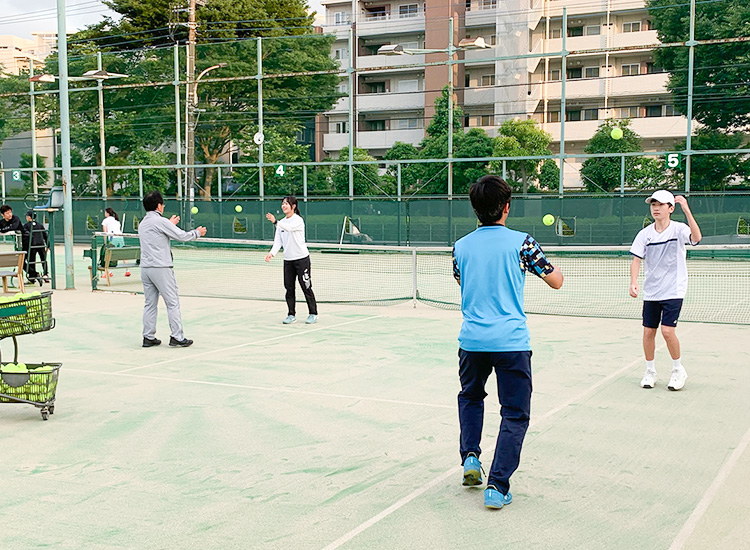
(592, 30)
(467, 80)
(654, 110)
(555, 33)
(343, 87)
(554, 74)
(408, 86)
(408, 10)
(340, 18)
(408, 123)
(591, 114)
(573, 115)
(553, 116)
(669, 110)
(341, 128)
(575, 31)
(488, 80)
(487, 120)
(376, 13)
(631, 70)
(375, 88)
(592, 72)
(652, 68)
(629, 112)
(574, 73)
(488, 4)
(341, 53)
(631, 26)
(374, 125)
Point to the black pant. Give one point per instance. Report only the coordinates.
(299, 269)
(31, 262)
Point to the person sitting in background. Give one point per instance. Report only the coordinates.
(8, 221)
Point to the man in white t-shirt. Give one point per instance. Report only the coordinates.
(661, 246)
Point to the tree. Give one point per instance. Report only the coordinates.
(602, 174)
(520, 138)
(473, 144)
(409, 172)
(549, 175)
(713, 172)
(138, 118)
(367, 181)
(720, 92)
(42, 176)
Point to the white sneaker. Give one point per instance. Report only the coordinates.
(677, 380)
(649, 379)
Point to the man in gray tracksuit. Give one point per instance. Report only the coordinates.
(157, 274)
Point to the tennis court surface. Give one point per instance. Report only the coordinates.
(344, 434)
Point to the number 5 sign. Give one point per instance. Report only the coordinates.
(673, 160)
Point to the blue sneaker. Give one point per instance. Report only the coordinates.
(312, 319)
(289, 320)
(494, 499)
(472, 471)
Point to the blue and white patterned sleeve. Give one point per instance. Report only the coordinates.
(456, 271)
(533, 258)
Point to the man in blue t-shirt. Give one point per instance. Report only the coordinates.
(490, 264)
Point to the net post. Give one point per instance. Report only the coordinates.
(414, 275)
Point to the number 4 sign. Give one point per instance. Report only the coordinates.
(280, 170)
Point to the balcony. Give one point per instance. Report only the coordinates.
(390, 101)
(630, 39)
(642, 84)
(481, 18)
(669, 127)
(390, 61)
(575, 43)
(382, 140)
(576, 89)
(389, 24)
(479, 96)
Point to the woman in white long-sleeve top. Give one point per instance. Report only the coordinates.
(290, 234)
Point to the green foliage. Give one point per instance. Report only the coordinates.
(602, 175)
(520, 138)
(439, 124)
(154, 179)
(366, 179)
(714, 172)
(410, 173)
(144, 118)
(720, 93)
(549, 175)
(15, 109)
(42, 177)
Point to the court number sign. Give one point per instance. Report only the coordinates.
(673, 160)
(15, 175)
(280, 170)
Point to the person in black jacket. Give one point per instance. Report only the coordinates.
(9, 222)
(34, 240)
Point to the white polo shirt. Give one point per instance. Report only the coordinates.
(112, 225)
(664, 260)
(290, 234)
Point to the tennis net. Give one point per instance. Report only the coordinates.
(596, 279)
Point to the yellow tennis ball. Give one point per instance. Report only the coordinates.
(616, 133)
(548, 219)
(194, 210)
(238, 208)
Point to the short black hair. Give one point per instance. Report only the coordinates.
(4, 208)
(489, 195)
(152, 200)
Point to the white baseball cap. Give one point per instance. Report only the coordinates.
(663, 196)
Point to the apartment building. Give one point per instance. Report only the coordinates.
(394, 95)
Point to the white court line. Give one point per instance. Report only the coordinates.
(268, 389)
(388, 511)
(264, 341)
(708, 496)
(407, 499)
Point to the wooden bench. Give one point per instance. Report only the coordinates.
(118, 254)
(11, 265)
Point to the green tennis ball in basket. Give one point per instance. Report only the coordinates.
(548, 219)
(238, 208)
(194, 210)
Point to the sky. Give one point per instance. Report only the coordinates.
(22, 17)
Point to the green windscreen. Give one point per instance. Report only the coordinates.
(597, 279)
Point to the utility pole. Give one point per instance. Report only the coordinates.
(190, 106)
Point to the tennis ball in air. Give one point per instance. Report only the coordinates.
(548, 219)
(194, 209)
(238, 208)
(616, 133)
